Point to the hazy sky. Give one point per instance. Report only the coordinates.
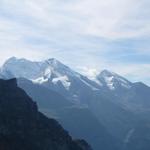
(87, 35)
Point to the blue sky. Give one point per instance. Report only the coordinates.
(88, 35)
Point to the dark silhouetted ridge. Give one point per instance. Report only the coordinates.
(23, 127)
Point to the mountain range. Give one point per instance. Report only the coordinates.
(105, 109)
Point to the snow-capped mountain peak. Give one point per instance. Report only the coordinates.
(112, 80)
(21, 68)
(49, 71)
(52, 71)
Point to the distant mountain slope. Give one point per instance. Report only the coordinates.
(23, 127)
(79, 121)
(45, 98)
(117, 120)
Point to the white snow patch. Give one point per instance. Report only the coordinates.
(64, 80)
(48, 72)
(109, 82)
(40, 80)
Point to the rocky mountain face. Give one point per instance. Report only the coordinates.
(23, 127)
(118, 108)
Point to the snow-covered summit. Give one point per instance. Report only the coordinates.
(54, 72)
(21, 68)
(50, 70)
(112, 80)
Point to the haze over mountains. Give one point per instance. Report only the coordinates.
(107, 109)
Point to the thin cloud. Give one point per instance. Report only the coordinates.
(87, 33)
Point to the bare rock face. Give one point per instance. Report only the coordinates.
(23, 127)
